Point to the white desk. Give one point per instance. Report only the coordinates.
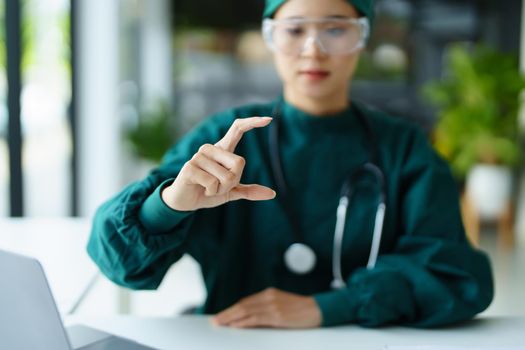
(196, 332)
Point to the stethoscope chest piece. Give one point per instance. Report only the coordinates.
(300, 258)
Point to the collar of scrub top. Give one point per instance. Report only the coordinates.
(299, 257)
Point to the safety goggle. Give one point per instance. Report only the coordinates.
(333, 36)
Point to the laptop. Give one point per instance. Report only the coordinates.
(29, 317)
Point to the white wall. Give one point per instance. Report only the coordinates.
(98, 122)
(155, 50)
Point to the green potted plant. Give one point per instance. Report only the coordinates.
(478, 102)
(153, 134)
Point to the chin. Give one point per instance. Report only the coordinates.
(317, 92)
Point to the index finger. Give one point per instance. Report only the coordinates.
(237, 130)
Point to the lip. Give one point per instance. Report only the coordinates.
(315, 74)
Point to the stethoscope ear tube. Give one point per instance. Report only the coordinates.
(278, 174)
(376, 237)
(342, 210)
(338, 281)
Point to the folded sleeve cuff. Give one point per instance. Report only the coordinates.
(337, 307)
(156, 216)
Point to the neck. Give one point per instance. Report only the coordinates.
(318, 106)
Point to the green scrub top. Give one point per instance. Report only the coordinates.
(427, 274)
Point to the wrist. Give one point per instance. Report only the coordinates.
(315, 314)
(156, 216)
(169, 197)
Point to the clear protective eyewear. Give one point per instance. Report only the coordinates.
(333, 36)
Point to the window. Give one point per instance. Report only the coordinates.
(45, 98)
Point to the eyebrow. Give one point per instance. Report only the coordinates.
(338, 17)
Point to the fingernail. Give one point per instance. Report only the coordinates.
(265, 118)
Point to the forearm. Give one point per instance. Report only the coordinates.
(424, 283)
(128, 252)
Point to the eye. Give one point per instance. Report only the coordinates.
(294, 31)
(335, 31)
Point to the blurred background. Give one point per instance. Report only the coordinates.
(92, 92)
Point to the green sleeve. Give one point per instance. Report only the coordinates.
(156, 216)
(433, 276)
(135, 236)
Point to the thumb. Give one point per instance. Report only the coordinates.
(252, 193)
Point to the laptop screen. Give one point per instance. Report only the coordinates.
(29, 318)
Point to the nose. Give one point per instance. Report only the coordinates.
(313, 48)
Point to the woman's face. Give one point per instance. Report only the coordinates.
(313, 73)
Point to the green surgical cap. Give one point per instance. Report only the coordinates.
(365, 7)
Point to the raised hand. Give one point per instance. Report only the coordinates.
(212, 176)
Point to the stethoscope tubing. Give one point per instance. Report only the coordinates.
(344, 200)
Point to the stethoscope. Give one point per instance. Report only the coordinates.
(300, 258)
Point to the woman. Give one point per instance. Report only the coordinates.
(271, 259)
